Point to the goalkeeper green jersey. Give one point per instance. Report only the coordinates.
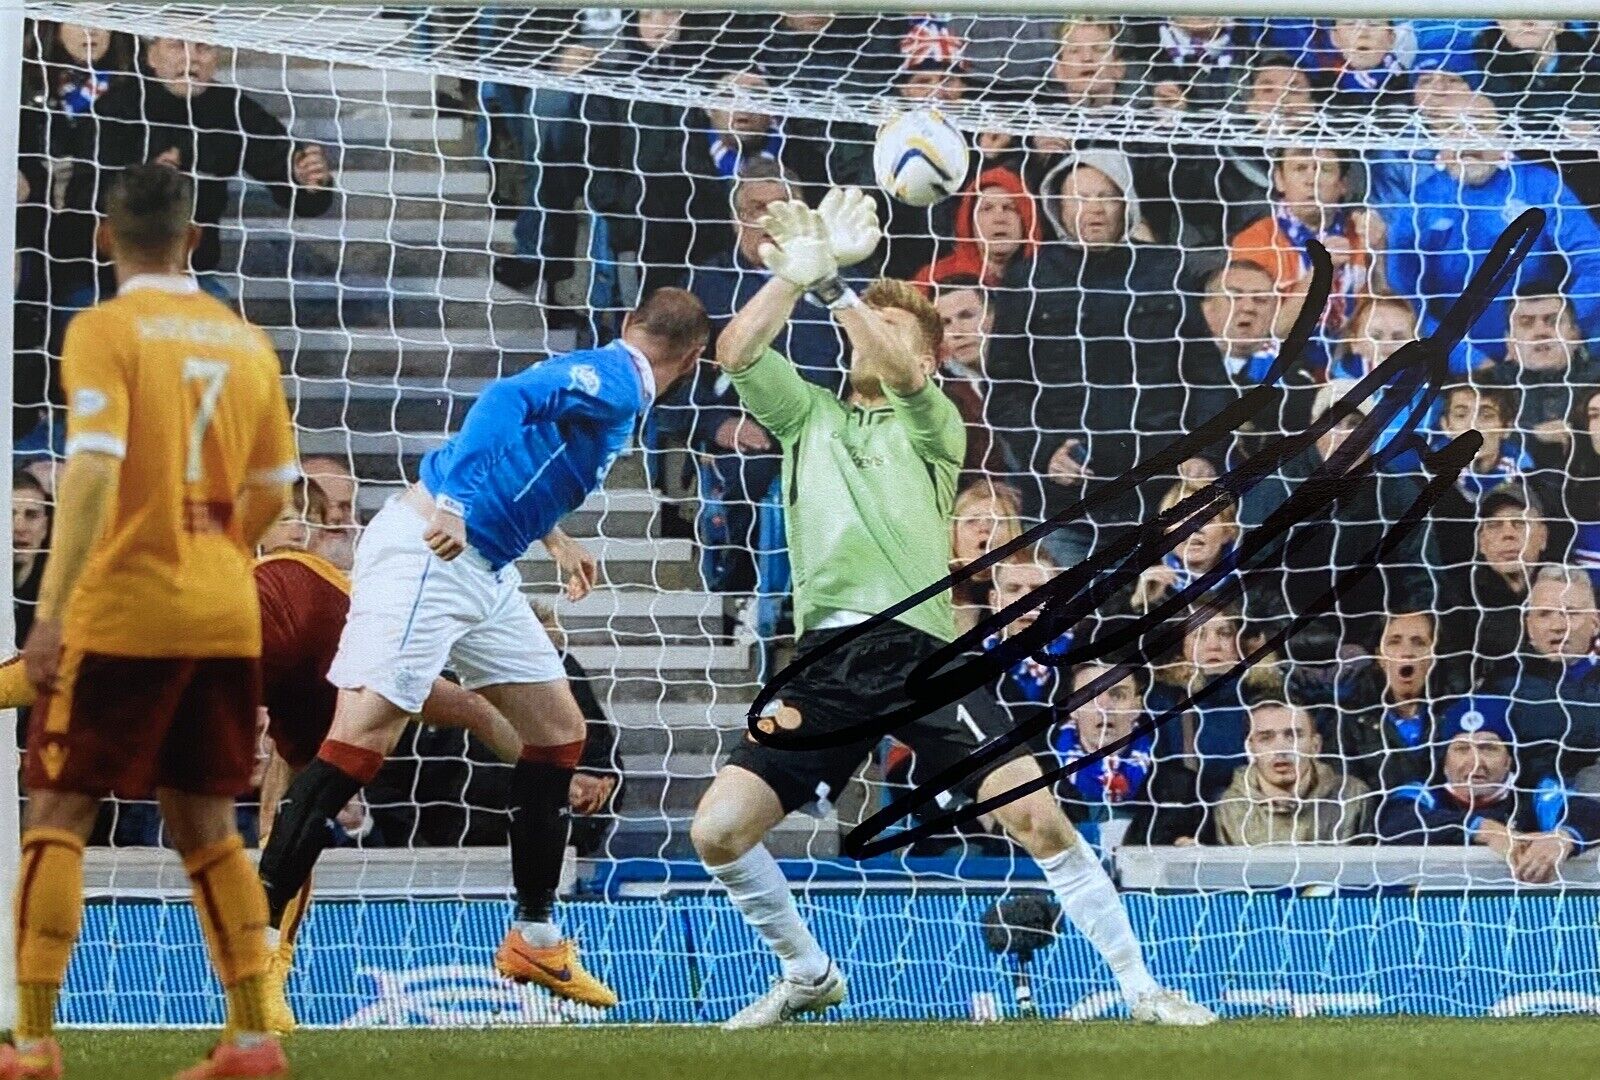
(867, 494)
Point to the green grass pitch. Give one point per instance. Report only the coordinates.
(1368, 1049)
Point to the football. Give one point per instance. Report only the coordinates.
(920, 158)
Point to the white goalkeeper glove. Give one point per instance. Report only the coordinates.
(800, 254)
(851, 219)
(798, 251)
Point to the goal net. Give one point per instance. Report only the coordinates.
(415, 201)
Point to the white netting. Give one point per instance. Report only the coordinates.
(501, 184)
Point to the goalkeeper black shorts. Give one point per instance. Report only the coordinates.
(866, 679)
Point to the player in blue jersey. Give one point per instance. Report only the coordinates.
(435, 582)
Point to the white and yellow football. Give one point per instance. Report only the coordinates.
(920, 158)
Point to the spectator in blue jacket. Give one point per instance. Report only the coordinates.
(1456, 213)
(1554, 682)
(1442, 78)
(1482, 797)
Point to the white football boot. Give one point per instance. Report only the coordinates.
(1172, 1008)
(788, 999)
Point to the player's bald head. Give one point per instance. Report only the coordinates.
(672, 328)
(150, 211)
(673, 316)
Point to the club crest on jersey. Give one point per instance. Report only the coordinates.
(88, 401)
(585, 378)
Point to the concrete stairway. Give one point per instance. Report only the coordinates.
(389, 324)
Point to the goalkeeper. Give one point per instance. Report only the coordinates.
(868, 485)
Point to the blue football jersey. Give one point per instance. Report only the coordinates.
(534, 446)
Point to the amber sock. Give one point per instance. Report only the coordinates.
(49, 912)
(232, 910)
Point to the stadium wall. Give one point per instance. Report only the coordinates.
(910, 956)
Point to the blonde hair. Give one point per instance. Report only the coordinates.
(1262, 679)
(1007, 500)
(894, 293)
(1367, 306)
(1112, 27)
(1227, 513)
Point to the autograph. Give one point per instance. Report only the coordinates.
(1411, 379)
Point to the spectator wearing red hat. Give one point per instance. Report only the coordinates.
(996, 224)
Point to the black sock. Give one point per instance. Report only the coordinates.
(540, 821)
(300, 831)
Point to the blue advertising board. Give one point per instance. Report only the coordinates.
(909, 956)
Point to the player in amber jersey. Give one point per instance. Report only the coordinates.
(304, 601)
(146, 645)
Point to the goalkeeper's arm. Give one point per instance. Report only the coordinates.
(756, 325)
(806, 250)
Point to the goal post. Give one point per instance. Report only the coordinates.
(504, 181)
(12, 19)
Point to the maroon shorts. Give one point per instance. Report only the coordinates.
(126, 726)
(297, 730)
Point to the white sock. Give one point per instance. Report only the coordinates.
(1090, 900)
(758, 889)
(541, 935)
(274, 936)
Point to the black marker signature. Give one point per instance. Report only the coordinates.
(1412, 379)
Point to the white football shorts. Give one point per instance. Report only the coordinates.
(412, 614)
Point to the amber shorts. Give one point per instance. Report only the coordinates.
(126, 726)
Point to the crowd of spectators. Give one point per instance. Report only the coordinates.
(1101, 298)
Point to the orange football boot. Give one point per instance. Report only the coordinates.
(229, 1060)
(554, 967)
(41, 1061)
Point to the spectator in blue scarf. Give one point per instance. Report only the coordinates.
(1195, 60)
(1487, 794)
(1378, 328)
(1487, 409)
(1228, 351)
(1124, 794)
(1195, 556)
(1028, 681)
(1364, 63)
(1388, 706)
(1501, 459)
(735, 136)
